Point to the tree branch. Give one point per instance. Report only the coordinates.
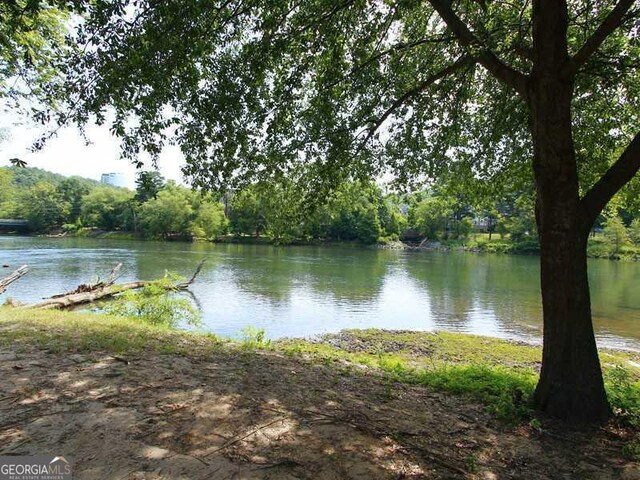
(523, 51)
(621, 172)
(398, 48)
(606, 28)
(5, 282)
(391, 50)
(485, 57)
(457, 65)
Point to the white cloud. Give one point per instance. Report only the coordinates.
(68, 154)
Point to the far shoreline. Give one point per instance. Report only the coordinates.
(499, 247)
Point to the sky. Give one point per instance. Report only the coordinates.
(68, 154)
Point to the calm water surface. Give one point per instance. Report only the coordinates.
(301, 291)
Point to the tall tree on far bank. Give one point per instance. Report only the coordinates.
(148, 184)
(615, 234)
(106, 208)
(71, 191)
(247, 214)
(43, 207)
(169, 214)
(634, 231)
(256, 89)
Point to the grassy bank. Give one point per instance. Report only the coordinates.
(479, 242)
(597, 246)
(498, 373)
(63, 332)
(228, 238)
(126, 399)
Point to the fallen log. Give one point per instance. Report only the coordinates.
(81, 298)
(15, 275)
(104, 292)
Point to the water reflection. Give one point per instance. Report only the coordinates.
(301, 291)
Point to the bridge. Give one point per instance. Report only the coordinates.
(13, 225)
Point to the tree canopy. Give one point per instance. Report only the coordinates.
(328, 89)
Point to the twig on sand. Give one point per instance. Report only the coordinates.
(235, 440)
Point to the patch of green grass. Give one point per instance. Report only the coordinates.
(463, 364)
(504, 391)
(504, 245)
(499, 373)
(77, 332)
(599, 248)
(252, 338)
(623, 390)
(631, 450)
(493, 247)
(422, 348)
(471, 463)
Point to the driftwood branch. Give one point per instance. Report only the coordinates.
(15, 275)
(85, 294)
(92, 287)
(80, 298)
(195, 274)
(113, 276)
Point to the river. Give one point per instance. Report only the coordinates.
(302, 291)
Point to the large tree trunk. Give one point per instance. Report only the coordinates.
(570, 385)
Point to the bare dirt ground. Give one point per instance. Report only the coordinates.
(246, 415)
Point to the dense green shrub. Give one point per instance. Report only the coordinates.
(156, 304)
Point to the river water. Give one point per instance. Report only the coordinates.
(302, 291)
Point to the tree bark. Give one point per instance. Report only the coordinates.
(571, 385)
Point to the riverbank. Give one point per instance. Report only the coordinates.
(223, 239)
(302, 291)
(127, 400)
(480, 243)
(476, 243)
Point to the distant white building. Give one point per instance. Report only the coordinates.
(114, 179)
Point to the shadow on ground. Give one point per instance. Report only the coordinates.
(245, 415)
